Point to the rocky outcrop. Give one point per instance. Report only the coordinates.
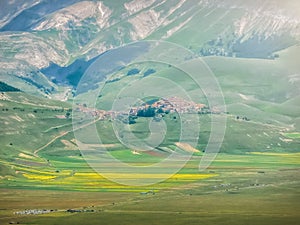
(137, 5)
(76, 14)
(266, 24)
(10, 9)
(32, 49)
(144, 24)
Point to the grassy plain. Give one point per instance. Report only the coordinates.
(256, 188)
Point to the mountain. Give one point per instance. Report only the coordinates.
(251, 47)
(21, 16)
(35, 35)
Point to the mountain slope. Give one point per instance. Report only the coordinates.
(43, 32)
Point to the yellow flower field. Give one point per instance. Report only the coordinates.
(38, 176)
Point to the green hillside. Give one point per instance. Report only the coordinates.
(150, 112)
(46, 139)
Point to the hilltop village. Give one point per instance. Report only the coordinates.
(155, 108)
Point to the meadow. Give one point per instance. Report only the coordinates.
(256, 188)
(253, 180)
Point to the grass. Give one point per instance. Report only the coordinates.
(234, 192)
(295, 135)
(259, 188)
(39, 127)
(257, 161)
(254, 180)
(77, 175)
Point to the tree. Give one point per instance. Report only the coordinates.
(148, 112)
(133, 72)
(160, 110)
(5, 87)
(68, 114)
(131, 120)
(148, 72)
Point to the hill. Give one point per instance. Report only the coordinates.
(66, 33)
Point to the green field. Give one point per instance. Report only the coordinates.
(253, 188)
(253, 180)
(244, 184)
(84, 84)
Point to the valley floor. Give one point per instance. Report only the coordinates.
(259, 194)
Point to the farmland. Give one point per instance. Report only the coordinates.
(240, 188)
(149, 112)
(254, 178)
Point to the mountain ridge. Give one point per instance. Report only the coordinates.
(72, 30)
